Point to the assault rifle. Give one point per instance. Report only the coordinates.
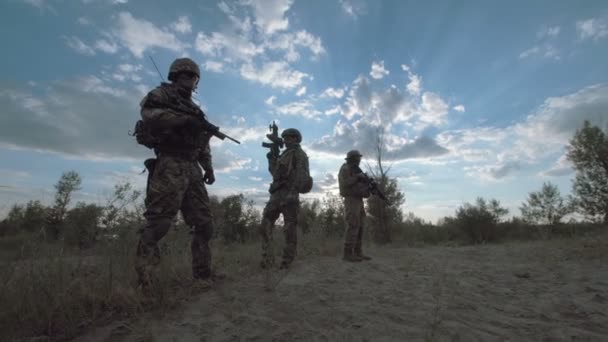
(182, 106)
(372, 184)
(203, 123)
(275, 147)
(277, 142)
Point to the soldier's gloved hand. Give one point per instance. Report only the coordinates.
(209, 177)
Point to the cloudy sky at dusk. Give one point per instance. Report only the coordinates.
(477, 98)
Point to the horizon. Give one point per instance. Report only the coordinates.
(478, 100)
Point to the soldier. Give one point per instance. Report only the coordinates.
(175, 180)
(290, 177)
(354, 187)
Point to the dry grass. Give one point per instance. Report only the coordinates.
(53, 293)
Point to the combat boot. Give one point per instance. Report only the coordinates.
(350, 256)
(362, 256)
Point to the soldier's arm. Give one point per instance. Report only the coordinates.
(153, 110)
(204, 157)
(347, 177)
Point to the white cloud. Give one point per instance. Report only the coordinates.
(290, 42)
(594, 29)
(84, 21)
(244, 134)
(548, 32)
(500, 152)
(42, 5)
(558, 117)
(138, 35)
(493, 172)
(362, 135)
(544, 50)
(228, 161)
(334, 110)
(118, 2)
(459, 108)
(378, 71)
(127, 71)
(79, 46)
(75, 117)
(301, 91)
(354, 8)
(213, 66)
(302, 108)
(333, 92)
(413, 87)
(274, 74)
(270, 100)
(182, 25)
(106, 46)
(562, 167)
(230, 47)
(270, 14)
(433, 109)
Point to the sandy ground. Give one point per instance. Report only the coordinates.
(537, 291)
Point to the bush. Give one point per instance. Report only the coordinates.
(479, 222)
(81, 225)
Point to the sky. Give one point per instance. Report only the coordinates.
(475, 98)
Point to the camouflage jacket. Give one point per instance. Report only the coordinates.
(158, 109)
(350, 182)
(288, 169)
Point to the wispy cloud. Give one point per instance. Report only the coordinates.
(79, 46)
(594, 28)
(138, 35)
(274, 74)
(182, 25)
(378, 71)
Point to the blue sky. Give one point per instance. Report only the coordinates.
(476, 98)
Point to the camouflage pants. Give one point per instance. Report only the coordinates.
(354, 214)
(279, 204)
(176, 184)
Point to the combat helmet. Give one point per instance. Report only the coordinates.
(183, 65)
(352, 154)
(292, 132)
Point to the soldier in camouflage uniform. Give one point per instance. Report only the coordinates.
(288, 170)
(175, 181)
(353, 187)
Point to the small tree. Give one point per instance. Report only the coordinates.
(545, 206)
(385, 215)
(68, 183)
(116, 210)
(588, 151)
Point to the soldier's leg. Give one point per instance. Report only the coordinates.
(290, 215)
(270, 215)
(353, 223)
(197, 214)
(358, 245)
(164, 196)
